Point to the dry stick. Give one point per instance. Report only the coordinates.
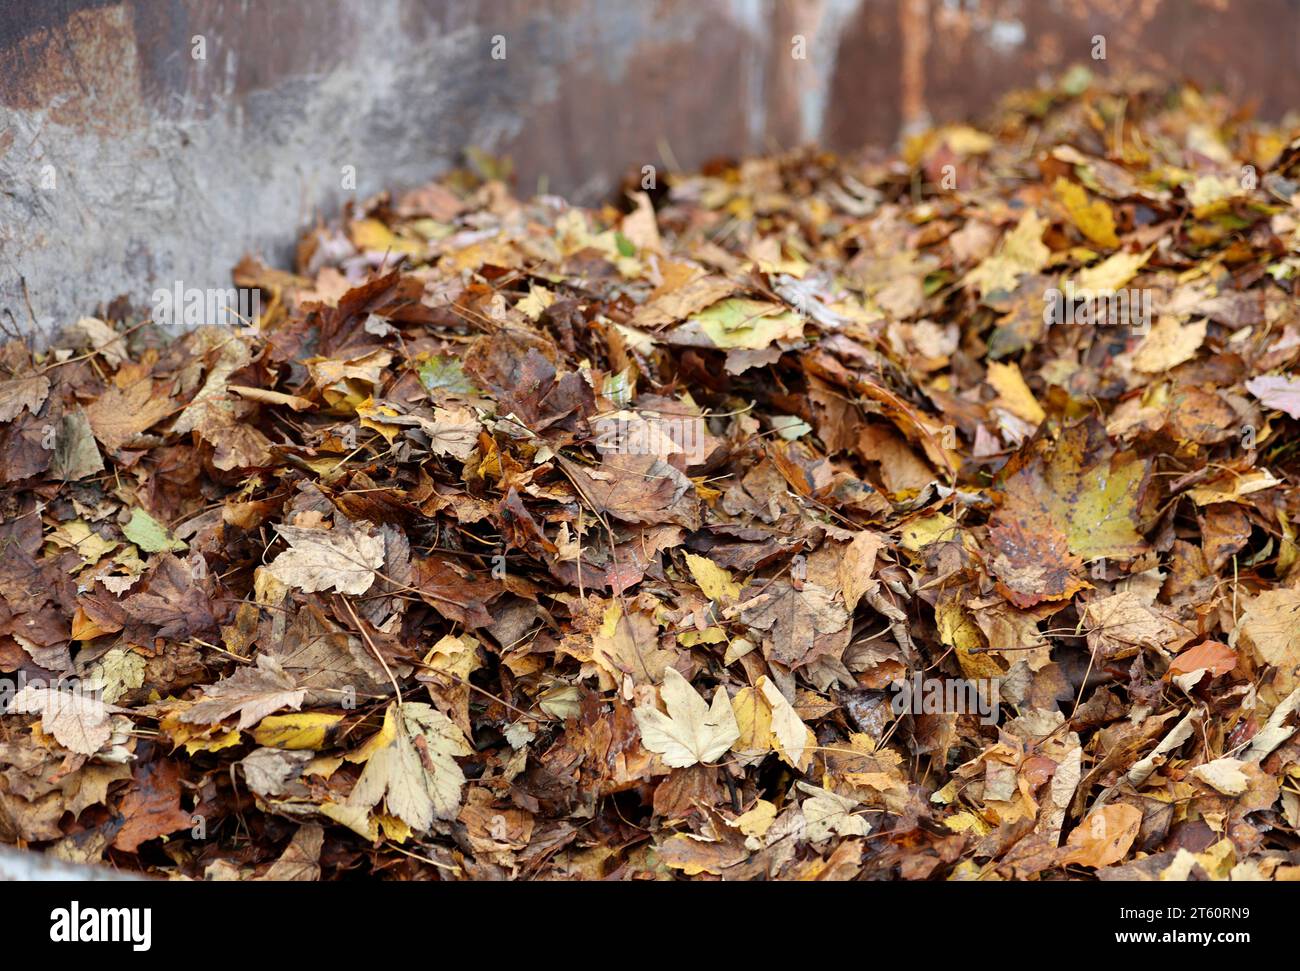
(94, 351)
(422, 593)
(423, 859)
(375, 650)
(1083, 686)
(240, 658)
(385, 577)
(609, 532)
(582, 593)
(590, 502)
(483, 691)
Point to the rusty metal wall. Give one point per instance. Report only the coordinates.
(127, 163)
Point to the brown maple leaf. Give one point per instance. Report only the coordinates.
(152, 805)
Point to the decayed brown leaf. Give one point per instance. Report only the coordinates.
(251, 692)
(152, 805)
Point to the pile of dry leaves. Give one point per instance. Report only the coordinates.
(929, 517)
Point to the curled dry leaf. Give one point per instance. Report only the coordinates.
(251, 692)
(79, 721)
(341, 559)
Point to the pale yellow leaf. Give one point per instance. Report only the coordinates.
(343, 559)
(692, 731)
(713, 579)
(1013, 394)
(77, 720)
(1168, 345)
(414, 772)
